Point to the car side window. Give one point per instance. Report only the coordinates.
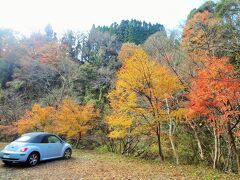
(45, 139)
(53, 139)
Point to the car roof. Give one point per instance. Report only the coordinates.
(34, 134)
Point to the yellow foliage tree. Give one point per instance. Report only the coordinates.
(127, 50)
(69, 119)
(37, 119)
(138, 101)
(75, 120)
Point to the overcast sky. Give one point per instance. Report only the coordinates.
(26, 16)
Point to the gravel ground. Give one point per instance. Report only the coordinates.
(93, 165)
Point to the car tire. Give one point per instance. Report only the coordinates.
(7, 163)
(67, 153)
(33, 159)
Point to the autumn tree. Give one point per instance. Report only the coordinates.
(39, 69)
(213, 29)
(139, 98)
(207, 6)
(69, 119)
(75, 120)
(215, 96)
(200, 35)
(45, 71)
(37, 119)
(209, 34)
(8, 131)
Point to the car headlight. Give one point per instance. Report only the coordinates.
(24, 149)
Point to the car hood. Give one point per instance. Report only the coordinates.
(15, 146)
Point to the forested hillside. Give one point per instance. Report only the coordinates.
(131, 88)
(132, 31)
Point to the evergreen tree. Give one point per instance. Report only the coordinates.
(133, 31)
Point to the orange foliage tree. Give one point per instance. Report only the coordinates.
(7, 131)
(69, 119)
(39, 48)
(200, 34)
(215, 95)
(200, 38)
(37, 119)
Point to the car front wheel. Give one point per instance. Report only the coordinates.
(33, 159)
(67, 153)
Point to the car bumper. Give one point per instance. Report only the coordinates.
(13, 156)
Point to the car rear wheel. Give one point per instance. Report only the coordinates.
(7, 163)
(33, 159)
(67, 153)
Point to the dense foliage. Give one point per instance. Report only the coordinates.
(131, 88)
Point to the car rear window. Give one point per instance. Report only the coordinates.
(24, 139)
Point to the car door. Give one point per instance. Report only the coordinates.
(45, 148)
(55, 146)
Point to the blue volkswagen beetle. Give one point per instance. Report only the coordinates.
(34, 147)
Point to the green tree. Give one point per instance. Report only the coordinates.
(3, 72)
(132, 31)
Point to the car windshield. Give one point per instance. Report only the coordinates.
(23, 139)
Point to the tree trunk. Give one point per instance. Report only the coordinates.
(78, 140)
(198, 142)
(228, 164)
(170, 132)
(160, 153)
(62, 92)
(120, 147)
(216, 148)
(128, 141)
(172, 143)
(100, 95)
(233, 147)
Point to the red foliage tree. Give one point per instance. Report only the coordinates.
(215, 95)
